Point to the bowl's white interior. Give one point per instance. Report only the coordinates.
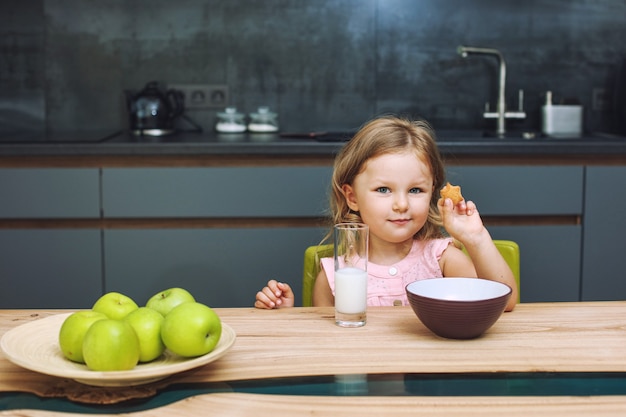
(459, 289)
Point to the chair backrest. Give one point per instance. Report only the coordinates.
(312, 255)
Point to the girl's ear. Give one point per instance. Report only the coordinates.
(348, 193)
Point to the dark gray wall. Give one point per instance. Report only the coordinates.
(321, 64)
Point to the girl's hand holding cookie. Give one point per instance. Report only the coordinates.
(460, 219)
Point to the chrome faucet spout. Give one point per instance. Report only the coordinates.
(464, 51)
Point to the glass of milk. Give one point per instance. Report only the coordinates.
(351, 243)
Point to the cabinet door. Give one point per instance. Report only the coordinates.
(215, 192)
(55, 268)
(221, 267)
(49, 193)
(549, 261)
(604, 257)
(521, 190)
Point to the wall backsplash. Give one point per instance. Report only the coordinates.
(321, 64)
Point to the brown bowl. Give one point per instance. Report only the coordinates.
(458, 308)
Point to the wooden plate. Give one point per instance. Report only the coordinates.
(35, 346)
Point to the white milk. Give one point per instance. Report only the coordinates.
(350, 290)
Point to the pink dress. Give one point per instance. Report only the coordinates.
(386, 283)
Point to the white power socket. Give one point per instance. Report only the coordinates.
(203, 96)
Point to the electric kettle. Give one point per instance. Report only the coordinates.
(152, 111)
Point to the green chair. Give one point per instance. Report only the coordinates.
(312, 255)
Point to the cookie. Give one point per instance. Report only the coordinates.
(453, 192)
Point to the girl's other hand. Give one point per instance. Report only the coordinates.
(275, 295)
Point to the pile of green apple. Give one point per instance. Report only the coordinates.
(117, 334)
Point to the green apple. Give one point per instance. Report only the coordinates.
(73, 331)
(116, 306)
(147, 325)
(191, 329)
(165, 301)
(111, 345)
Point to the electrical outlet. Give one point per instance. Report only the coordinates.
(203, 96)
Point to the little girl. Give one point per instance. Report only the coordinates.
(388, 177)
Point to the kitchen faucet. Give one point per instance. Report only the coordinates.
(501, 114)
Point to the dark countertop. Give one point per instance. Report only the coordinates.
(451, 143)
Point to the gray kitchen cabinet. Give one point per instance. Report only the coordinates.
(223, 264)
(215, 192)
(63, 267)
(604, 260)
(549, 260)
(50, 268)
(550, 254)
(49, 193)
(221, 267)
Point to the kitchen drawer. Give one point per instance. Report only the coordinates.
(521, 190)
(215, 192)
(49, 193)
(52, 268)
(549, 260)
(221, 267)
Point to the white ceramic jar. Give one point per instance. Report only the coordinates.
(230, 121)
(263, 121)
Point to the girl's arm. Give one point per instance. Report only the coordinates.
(463, 223)
(322, 294)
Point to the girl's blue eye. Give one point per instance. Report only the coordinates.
(383, 190)
(415, 191)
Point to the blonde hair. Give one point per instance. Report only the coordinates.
(386, 135)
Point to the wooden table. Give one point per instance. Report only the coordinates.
(542, 337)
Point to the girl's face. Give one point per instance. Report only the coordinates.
(392, 195)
